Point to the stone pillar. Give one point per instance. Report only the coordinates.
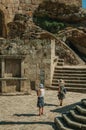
(52, 48)
(52, 57)
(2, 68)
(22, 68)
(22, 76)
(3, 82)
(21, 85)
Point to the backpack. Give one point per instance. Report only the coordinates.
(63, 90)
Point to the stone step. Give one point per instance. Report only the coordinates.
(77, 68)
(71, 84)
(71, 89)
(68, 78)
(78, 118)
(14, 94)
(70, 81)
(82, 85)
(83, 101)
(60, 63)
(75, 89)
(72, 123)
(69, 74)
(74, 77)
(60, 60)
(81, 110)
(69, 71)
(60, 124)
(73, 119)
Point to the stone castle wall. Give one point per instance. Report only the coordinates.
(9, 8)
(39, 58)
(75, 2)
(25, 66)
(12, 7)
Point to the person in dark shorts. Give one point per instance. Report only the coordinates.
(61, 91)
(40, 100)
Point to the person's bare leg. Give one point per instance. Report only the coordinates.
(42, 111)
(61, 101)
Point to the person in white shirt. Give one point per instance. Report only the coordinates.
(40, 100)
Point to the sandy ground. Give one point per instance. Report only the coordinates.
(21, 112)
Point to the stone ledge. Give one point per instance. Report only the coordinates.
(15, 94)
(60, 124)
(80, 109)
(83, 101)
(79, 118)
(12, 56)
(13, 78)
(71, 123)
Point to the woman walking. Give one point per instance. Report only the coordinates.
(61, 91)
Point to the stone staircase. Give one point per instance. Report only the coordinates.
(74, 77)
(60, 62)
(75, 119)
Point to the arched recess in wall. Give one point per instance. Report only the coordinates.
(3, 31)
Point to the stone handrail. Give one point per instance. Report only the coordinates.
(71, 54)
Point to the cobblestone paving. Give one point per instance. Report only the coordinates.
(20, 112)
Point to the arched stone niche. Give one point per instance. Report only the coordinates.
(2, 25)
(3, 30)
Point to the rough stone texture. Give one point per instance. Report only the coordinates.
(22, 37)
(37, 53)
(64, 53)
(78, 39)
(39, 59)
(36, 57)
(72, 36)
(61, 11)
(10, 7)
(73, 2)
(20, 112)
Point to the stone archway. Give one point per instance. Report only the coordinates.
(3, 32)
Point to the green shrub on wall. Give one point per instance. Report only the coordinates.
(49, 24)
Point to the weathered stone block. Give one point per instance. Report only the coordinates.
(9, 89)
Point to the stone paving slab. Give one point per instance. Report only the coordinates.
(20, 112)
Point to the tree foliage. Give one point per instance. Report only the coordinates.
(49, 24)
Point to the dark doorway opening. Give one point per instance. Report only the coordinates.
(32, 84)
(0, 88)
(2, 25)
(81, 55)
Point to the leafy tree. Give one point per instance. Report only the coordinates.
(49, 24)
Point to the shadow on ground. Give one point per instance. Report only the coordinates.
(65, 109)
(28, 123)
(25, 114)
(47, 104)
